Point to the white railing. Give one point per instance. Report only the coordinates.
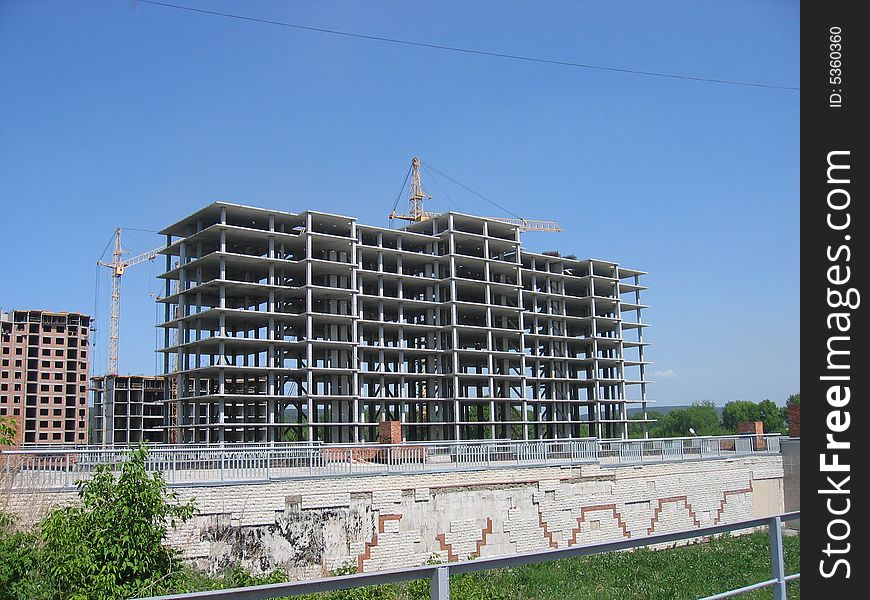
(60, 468)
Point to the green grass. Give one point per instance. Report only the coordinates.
(687, 572)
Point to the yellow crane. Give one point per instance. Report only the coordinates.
(118, 266)
(417, 195)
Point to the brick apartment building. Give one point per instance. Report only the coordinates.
(44, 375)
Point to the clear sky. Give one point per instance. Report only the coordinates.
(115, 112)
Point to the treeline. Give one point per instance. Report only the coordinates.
(703, 418)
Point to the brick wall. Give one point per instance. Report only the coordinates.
(756, 427)
(309, 527)
(390, 432)
(794, 420)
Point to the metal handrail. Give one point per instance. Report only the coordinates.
(60, 468)
(439, 575)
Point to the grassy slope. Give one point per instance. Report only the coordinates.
(688, 572)
(685, 572)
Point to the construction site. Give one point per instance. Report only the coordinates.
(283, 326)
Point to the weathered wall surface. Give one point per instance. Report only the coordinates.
(310, 527)
(791, 465)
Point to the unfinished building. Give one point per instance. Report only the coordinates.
(128, 409)
(44, 375)
(311, 326)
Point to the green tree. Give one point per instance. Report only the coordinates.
(19, 555)
(772, 415)
(111, 545)
(7, 432)
(635, 430)
(794, 399)
(738, 411)
(700, 417)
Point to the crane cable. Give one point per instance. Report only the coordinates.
(434, 180)
(478, 194)
(401, 189)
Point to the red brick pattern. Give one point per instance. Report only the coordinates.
(367, 553)
(611, 507)
(488, 528)
(448, 548)
(673, 499)
(724, 499)
(482, 541)
(442, 541)
(547, 533)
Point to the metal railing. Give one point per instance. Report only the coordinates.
(439, 575)
(60, 468)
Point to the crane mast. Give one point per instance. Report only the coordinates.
(117, 267)
(418, 195)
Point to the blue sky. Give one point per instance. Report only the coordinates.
(122, 113)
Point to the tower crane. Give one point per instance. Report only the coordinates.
(418, 195)
(118, 266)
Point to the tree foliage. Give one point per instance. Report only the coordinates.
(700, 417)
(18, 559)
(773, 416)
(7, 431)
(109, 546)
(738, 411)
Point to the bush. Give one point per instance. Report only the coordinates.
(111, 545)
(19, 556)
(8, 430)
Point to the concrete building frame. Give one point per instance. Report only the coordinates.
(311, 326)
(128, 409)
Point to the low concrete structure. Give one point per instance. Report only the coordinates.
(310, 527)
(791, 466)
(128, 409)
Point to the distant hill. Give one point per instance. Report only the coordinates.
(663, 409)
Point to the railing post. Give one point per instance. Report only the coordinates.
(350, 461)
(777, 559)
(439, 584)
